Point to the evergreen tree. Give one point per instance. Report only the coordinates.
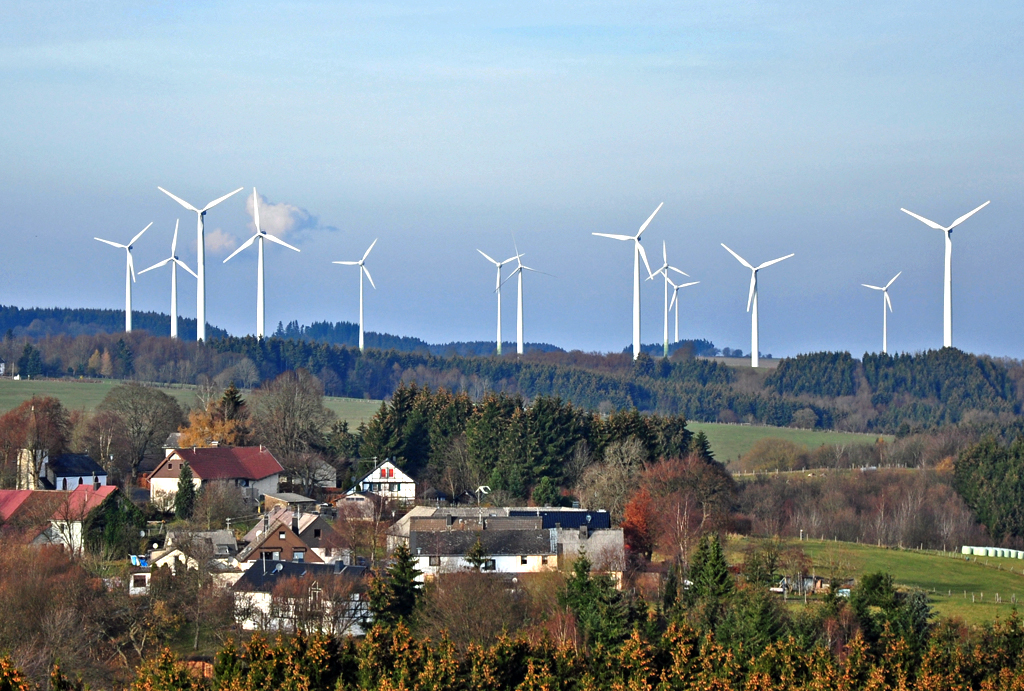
(395, 594)
(477, 555)
(185, 498)
(232, 405)
(701, 447)
(602, 614)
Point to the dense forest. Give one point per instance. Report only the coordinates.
(38, 322)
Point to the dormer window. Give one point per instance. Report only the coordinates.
(280, 535)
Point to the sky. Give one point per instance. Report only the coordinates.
(443, 128)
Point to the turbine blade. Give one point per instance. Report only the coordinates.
(347, 263)
(174, 240)
(488, 258)
(367, 272)
(691, 283)
(922, 219)
(215, 202)
(738, 257)
(517, 257)
(179, 200)
(774, 261)
(664, 253)
(256, 209)
(157, 265)
(369, 248)
(613, 237)
(892, 281)
(509, 277)
(675, 294)
(872, 287)
(113, 244)
(648, 221)
(643, 255)
(678, 271)
(963, 218)
(242, 247)
(279, 241)
(185, 266)
(753, 287)
(131, 265)
(887, 300)
(140, 234)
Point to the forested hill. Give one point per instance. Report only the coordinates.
(38, 322)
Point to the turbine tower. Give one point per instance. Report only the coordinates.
(175, 263)
(260, 235)
(362, 270)
(200, 257)
(947, 290)
(129, 275)
(752, 300)
(885, 317)
(497, 289)
(665, 268)
(638, 253)
(520, 268)
(675, 301)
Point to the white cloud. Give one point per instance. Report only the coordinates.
(219, 242)
(281, 219)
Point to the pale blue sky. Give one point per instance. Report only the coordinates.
(775, 128)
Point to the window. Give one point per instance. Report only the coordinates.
(544, 560)
(280, 535)
(316, 533)
(434, 561)
(395, 486)
(139, 580)
(490, 565)
(299, 555)
(276, 555)
(524, 560)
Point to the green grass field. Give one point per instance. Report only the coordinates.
(353, 410)
(729, 442)
(946, 576)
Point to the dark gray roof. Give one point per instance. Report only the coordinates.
(263, 575)
(568, 518)
(75, 464)
(496, 543)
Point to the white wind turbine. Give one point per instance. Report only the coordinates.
(752, 299)
(947, 291)
(497, 289)
(129, 275)
(260, 235)
(520, 268)
(665, 268)
(638, 254)
(885, 317)
(200, 257)
(675, 301)
(175, 263)
(362, 270)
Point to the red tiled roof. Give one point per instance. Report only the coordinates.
(82, 500)
(230, 462)
(11, 500)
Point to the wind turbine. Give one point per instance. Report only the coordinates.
(638, 253)
(175, 263)
(664, 271)
(752, 299)
(675, 301)
(200, 257)
(497, 289)
(362, 270)
(947, 291)
(129, 275)
(520, 268)
(260, 235)
(885, 317)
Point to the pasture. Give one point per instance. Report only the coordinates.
(729, 442)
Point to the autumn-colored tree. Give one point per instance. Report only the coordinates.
(40, 425)
(638, 524)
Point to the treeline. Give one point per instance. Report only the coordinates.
(39, 322)
(990, 477)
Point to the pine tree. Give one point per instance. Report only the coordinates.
(185, 498)
(232, 404)
(394, 595)
(477, 555)
(700, 446)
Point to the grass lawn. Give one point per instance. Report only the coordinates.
(75, 394)
(946, 576)
(354, 410)
(729, 442)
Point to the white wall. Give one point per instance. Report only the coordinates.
(502, 564)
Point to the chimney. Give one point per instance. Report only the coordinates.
(584, 532)
(448, 520)
(95, 482)
(295, 521)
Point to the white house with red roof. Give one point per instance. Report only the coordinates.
(253, 469)
(387, 480)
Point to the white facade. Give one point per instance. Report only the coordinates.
(387, 480)
(163, 489)
(520, 563)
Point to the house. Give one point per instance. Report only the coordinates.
(288, 500)
(69, 470)
(507, 551)
(52, 517)
(183, 549)
(387, 480)
(288, 596)
(278, 543)
(253, 469)
(68, 522)
(316, 532)
(573, 530)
